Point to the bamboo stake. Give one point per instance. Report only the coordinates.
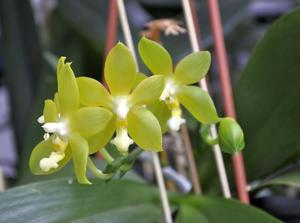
(216, 149)
(237, 159)
(157, 167)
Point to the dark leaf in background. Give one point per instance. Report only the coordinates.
(22, 60)
(267, 99)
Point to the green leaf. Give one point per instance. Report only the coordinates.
(91, 120)
(162, 113)
(96, 142)
(231, 136)
(144, 129)
(50, 111)
(120, 70)
(155, 56)
(67, 88)
(267, 99)
(192, 68)
(120, 201)
(221, 210)
(189, 214)
(93, 93)
(289, 177)
(80, 153)
(148, 91)
(198, 103)
(43, 150)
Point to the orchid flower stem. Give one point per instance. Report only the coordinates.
(96, 172)
(105, 154)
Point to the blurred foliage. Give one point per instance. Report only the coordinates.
(67, 201)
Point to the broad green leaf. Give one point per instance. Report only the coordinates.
(192, 68)
(67, 88)
(189, 214)
(92, 92)
(267, 99)
(120, 70)
(162, 113)
(43, 150)
(144, 129)
(50, 111)
(231, 136)
(80, 153)
(98, 141)
(221, 210)
(198, 103)
(148, 91)
(120, 201)
(155, 56)
(139, 78)
(90, 120)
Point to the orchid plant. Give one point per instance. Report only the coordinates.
(84, 116)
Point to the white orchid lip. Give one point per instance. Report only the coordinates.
(169, 90)
(122, 141)
(175, 122)
(51, 162)
(121, 106)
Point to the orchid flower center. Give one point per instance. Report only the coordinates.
(121, 107)
(169, 91)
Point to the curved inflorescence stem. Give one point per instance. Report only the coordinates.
(96, 172)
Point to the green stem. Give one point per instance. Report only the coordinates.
(105, 154)
(96, 172)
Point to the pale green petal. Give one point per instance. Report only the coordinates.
(161, 111)
(192, 68)
(120, 70)
(155, 56)
(67, 88)
(198, 103)
(231, 136)
(98, 141)
(43, 150)
(56, 100)
(93, 93)
(80, 153)
(50, 111)
(144, 129)
(148, 91)
(139, 78)
(91, 120)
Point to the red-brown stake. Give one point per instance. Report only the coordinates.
(237, 159)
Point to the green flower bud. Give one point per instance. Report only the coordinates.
(231, 136)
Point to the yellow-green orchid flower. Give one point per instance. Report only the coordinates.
(189, 70)
(127, 102)
(67, 128)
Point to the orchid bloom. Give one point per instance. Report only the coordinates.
(133, 122)
(68, 128)
(189, 70)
